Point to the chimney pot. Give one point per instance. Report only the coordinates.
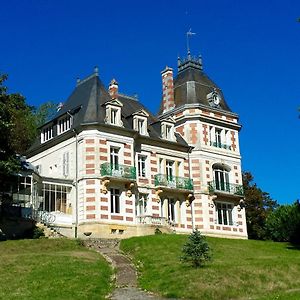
(113, 89)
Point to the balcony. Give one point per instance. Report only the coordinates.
(220, 145)
(118, 171)
(225, 188)
(174, 182)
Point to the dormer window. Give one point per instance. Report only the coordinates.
(140, 122)
(169, 132)
(141, 126)
(167, 129)
(64, 124)
(113, 116)
(113, 112)
(47, 134)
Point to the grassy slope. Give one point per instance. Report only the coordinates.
(51, 269)
(241, 269)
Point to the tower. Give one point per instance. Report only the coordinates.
(206, 122)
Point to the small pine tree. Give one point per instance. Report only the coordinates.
(196, 250)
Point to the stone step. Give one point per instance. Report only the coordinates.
(102, 243)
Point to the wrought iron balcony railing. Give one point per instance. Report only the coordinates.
(173, 182)
(220, 145)
(121, 171)
(228, 188)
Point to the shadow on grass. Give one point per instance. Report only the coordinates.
(293, 246)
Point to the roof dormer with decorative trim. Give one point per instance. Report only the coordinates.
(167, 129)
(113, 110)
(140, 122)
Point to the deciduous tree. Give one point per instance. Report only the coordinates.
(258, 206)
(17, 128)
(45, 112)
(283, 224)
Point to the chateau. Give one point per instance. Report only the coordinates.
(107, 167)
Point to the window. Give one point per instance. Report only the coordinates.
(141, 126)
(218, 137)
(64, 124)
(55, 197)
(113, 116)
(66, 164)
(167, 129)
(113, 112)
(169, 132)
(142, 205)
(25, 185)
(114, 158)
(142, 165)
(168, 209)
(171, 210)
(224, 213)
(170, 169)
(114, 201)
(47, 134)
(221, 177)
(140, 121)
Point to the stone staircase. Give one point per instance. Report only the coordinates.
(49, 231)
(126, 274)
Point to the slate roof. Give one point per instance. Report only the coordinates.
(86, 104)
(88, 98)
(192, 85)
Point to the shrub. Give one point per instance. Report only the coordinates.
(157, 231)
(196, 250)
(37, 233)
(283, 224)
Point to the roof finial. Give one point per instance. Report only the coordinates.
(200, 61)
(178, 61)
(96, 71)
(189, 34)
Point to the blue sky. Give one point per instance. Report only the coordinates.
(251, 49)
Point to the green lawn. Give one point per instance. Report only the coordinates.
(52, 269)
(240, 269)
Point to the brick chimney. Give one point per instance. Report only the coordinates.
(168, 89)
(113, 89)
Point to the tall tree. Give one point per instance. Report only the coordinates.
(258, 205)
(45, 112)
(17, 128)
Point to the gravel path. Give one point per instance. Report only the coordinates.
(126, 275)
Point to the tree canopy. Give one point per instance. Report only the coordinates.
(283, 224)
(258, 206)
(17, 128)
(45, 112)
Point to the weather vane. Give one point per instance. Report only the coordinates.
(188, 35)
